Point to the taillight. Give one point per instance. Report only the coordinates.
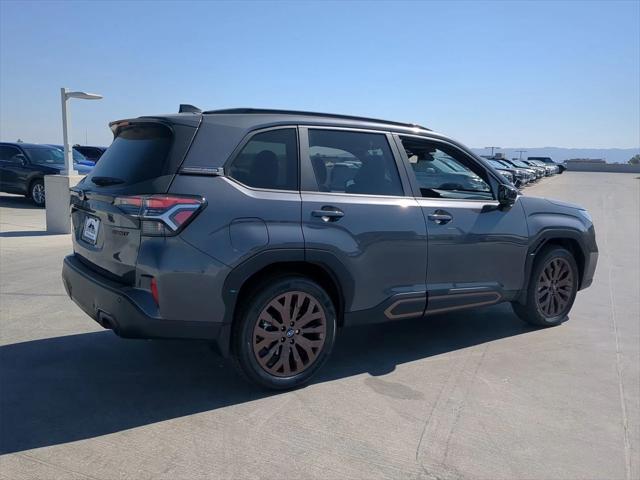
(161, 214)
(154, 291)
(129, 205)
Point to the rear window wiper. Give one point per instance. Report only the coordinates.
(104, 181)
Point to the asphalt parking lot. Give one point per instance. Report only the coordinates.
(475, 395)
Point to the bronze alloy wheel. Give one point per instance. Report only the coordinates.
(555, 287)
(289, 334)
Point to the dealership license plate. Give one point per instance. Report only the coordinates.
(90, 229)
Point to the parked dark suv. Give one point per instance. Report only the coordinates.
(267, 230)
(23, 167)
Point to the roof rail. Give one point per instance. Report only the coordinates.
(310, 114)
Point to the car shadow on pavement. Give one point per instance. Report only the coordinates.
(17, 201)
(28, 233)
(63, 389)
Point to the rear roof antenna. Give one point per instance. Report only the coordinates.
(186, 108)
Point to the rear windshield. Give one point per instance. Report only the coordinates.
(137, 154)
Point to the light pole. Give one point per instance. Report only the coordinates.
(56, 187)
(521, 152)
(64, 96)
(492, 149)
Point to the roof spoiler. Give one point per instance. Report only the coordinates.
(186, 108)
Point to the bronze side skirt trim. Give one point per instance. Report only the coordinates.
(494, 297)
(394, 316)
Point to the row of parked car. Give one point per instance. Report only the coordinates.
(24, 165)
(522, 172)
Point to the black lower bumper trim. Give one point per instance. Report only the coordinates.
(112, 306)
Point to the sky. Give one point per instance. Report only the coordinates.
(504, 73)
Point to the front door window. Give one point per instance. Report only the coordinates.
(443, 172)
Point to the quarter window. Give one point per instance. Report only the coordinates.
(268, 160)
(442, 171)
(353, 162)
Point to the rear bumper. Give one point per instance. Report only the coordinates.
(129, 312)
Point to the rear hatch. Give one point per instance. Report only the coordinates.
(142, 161)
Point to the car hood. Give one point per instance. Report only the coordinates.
(81, 168)
(564, 204)
(535, 205)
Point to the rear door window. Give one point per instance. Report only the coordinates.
(269, 160)
(353, 162)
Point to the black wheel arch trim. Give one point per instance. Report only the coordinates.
(239, 275)
(542, 238)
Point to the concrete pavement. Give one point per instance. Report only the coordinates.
(475, 395)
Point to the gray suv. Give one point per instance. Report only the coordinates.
(267, 230)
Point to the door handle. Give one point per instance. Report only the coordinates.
(440, 217)
(328, 214)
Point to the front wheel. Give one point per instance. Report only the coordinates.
(552, 288)
(285, 332)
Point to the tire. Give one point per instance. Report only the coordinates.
(36, 193)
(552, 288)
(279, 350)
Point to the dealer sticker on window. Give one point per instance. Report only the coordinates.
(90, 229)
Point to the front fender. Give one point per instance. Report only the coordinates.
(555, 221)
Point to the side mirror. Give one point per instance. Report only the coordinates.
(507, 195)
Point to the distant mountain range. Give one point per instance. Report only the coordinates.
(612, 155)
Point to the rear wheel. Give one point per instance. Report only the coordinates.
(552, 288)
(36, 192)
(285, 333)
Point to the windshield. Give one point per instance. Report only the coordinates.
(77, 156)
(496, 164)
(45, 155)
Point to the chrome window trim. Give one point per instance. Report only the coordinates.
(436, 202)
(333, 194)
(240, 186)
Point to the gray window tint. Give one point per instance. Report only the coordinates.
(42, 155)
(268, 160)
(444, 172)
(353, 162)
(7, 152)
(137, 154)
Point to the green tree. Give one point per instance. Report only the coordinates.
(635, 160)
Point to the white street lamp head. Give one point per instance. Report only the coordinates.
(83, 95)
(64, 96)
